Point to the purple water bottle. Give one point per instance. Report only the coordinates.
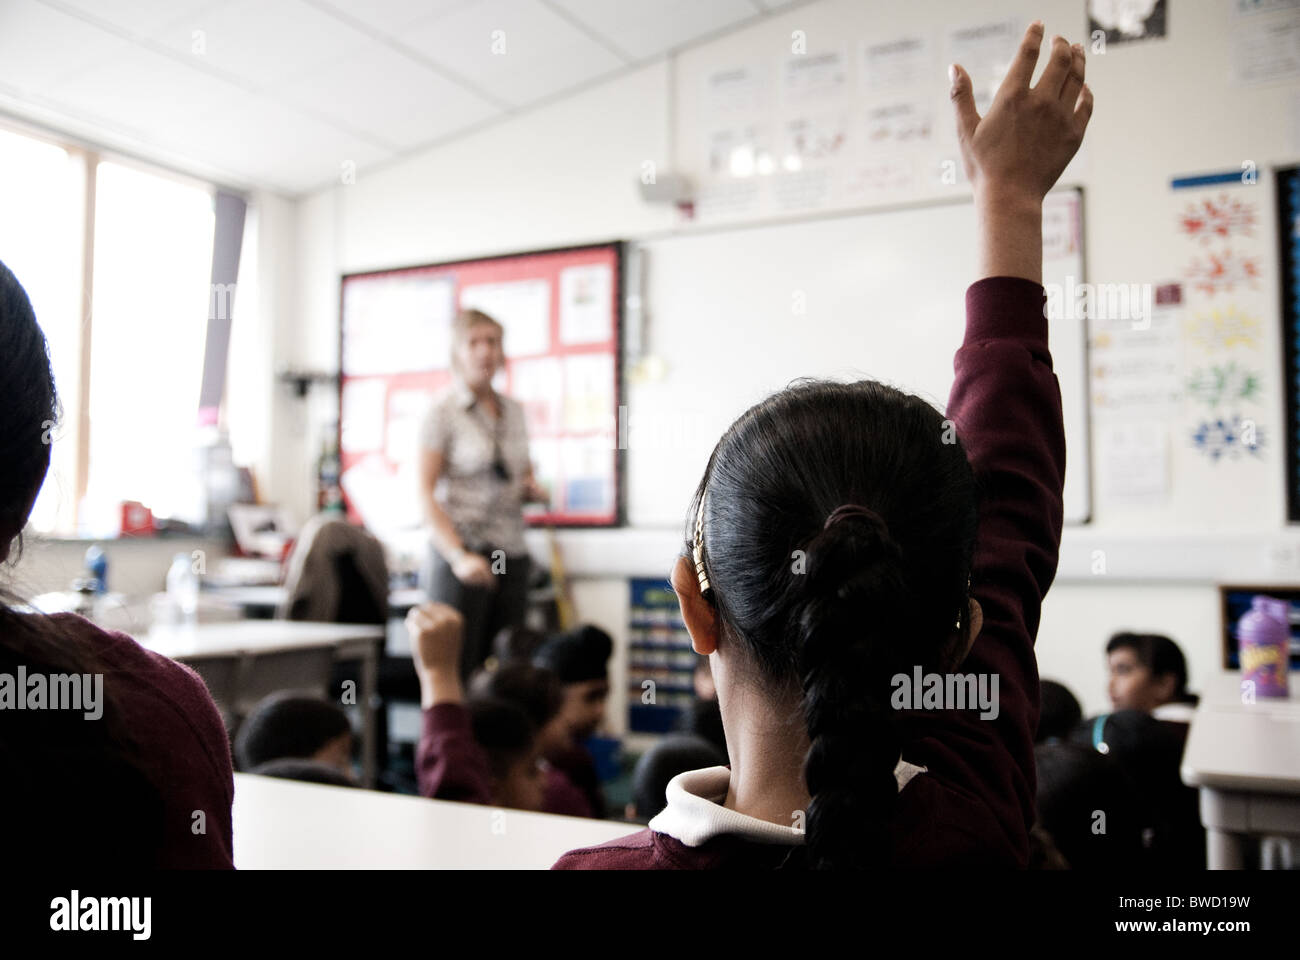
(1264, 639)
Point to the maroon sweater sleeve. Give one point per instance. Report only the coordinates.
(1006, 406)
(449, 763)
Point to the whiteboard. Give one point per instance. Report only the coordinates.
(736, 315)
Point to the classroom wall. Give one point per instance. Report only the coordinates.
(566, 174)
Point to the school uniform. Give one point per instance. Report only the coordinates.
(450, 765)
(1175, 712)
(966, 785)
(179, 739)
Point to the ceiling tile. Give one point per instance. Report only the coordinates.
(141, 91)
(269, 142)
(381, 92)
(540, 52)
(262, 41)
(40, 46)
(390, 17)
(645, 30)
(140, 17)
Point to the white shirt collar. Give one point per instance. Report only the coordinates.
(695, 813)
(1177, 712)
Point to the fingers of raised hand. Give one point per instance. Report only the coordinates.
(1057, 71)
(1083, 110)
(1022, 67)
(1074, 80)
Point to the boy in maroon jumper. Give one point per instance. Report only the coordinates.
(838, 541)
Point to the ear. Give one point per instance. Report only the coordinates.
(699, 616)
(958, 647)
(1163, 687)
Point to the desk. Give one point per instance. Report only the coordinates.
(1245, 758)
(248, 638)
(284, 824)
(265, 601)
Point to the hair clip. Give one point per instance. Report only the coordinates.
(957, 625)
(698, 551)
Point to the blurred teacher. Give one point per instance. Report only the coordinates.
(475, 476)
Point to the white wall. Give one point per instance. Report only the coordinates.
(566, 174)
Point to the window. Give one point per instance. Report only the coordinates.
(131, 341)
(41, 205)
(153, 263)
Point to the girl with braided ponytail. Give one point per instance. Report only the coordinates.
(844, 534)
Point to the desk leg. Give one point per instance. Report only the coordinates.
(1226, 817)
(1224, 850)
(369, 727)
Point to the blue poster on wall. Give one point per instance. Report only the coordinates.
(660, 660)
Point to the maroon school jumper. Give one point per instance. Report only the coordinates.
(975, 802)
(182, 742)
(450, 765)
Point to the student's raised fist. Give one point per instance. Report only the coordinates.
(436, 632)
(1030, 134)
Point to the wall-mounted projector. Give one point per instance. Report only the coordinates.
(666, 188)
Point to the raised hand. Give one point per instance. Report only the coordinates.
(1030, 133)
(437, 634)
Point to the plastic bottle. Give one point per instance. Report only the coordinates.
(1264, 637)
(183, 588)
(97, 568)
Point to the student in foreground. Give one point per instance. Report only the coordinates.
(837, 540)
(141, 776)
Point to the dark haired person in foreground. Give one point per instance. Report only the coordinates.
(904, 566)
(145, 784)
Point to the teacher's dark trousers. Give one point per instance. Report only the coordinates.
(486, 610)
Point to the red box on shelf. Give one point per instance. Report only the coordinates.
(137, 519)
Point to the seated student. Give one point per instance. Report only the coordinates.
(1149, 672)
(512, 644)
(1088, 807)
(309, 771)
(905, 566)
(478, 751)
(133, 768)
(672, 755)
(1059, 712)
(291, 726)
(1150, 753)
(580, 659)
(539, 693)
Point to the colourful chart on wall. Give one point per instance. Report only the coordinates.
(561, 314)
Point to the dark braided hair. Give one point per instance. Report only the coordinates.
(831, 611)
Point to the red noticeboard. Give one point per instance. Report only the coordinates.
(561, 310)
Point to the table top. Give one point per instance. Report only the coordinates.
(1235, 745)
(285, 824)
(1223, 692)
(252, 636)
(273, 596)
